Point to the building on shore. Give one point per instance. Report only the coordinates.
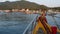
(15, 10)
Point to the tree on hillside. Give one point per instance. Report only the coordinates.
(21, 0)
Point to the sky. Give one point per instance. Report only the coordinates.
(49, 3)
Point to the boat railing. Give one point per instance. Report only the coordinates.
(31, 26)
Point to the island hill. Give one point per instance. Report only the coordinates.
(24, 5)
(21, 5)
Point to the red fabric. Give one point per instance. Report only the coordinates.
(54, 29)
(43, 19)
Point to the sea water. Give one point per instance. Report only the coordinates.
(16, 22)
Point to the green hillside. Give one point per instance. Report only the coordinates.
(20, 5)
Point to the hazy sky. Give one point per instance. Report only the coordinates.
(49, 3)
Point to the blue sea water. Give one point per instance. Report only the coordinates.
(16, 22)
(54, 21)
